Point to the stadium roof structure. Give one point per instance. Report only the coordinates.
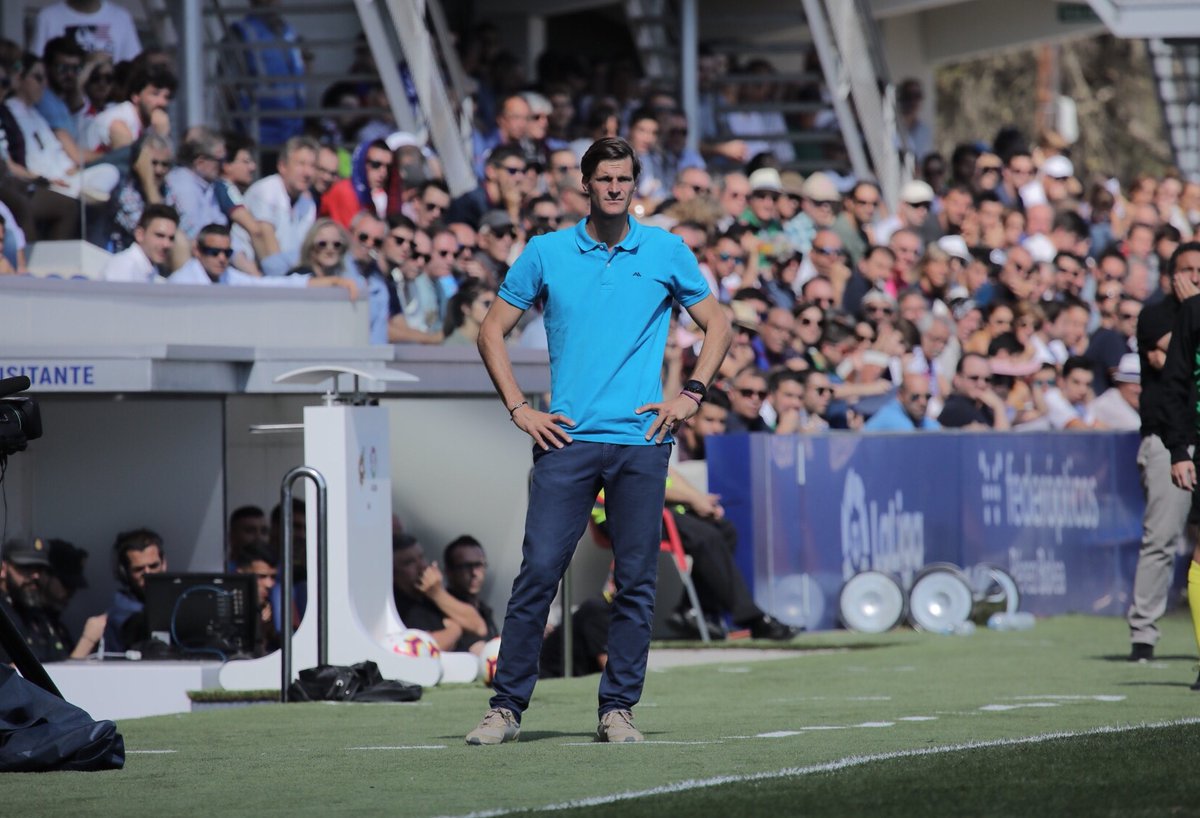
(1149, 18)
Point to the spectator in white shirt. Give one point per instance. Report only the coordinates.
(1068, 406)
(97, 25)
(150, 88)
(210, 265)
(141, 263)
(284, 200)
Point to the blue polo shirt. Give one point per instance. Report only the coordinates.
(607, 315)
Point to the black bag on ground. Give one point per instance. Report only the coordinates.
(40, 732)
(357, 683)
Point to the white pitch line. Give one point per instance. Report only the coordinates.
(917, 718)
(149, 752)
(1001, 707)
(830, 766)
(598, 743)
(404, 747)
(1071, 698)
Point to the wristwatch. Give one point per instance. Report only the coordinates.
(696, 388)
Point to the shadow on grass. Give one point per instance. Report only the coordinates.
(1184, 683)
(536, 735)
(767, 645)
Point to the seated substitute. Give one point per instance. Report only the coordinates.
(423, 601)
(466, 571)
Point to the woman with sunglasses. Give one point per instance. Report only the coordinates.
(145, 184)
(323, 251)
(97, 81)
(465, 313)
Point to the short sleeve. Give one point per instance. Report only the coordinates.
(228, 197)
(523, 282)
(687, 282)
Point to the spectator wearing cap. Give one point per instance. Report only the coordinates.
(1055, 176)
(24, 566)
(1117, 407)
(65, 579)
(497, 235)
(818, 211)
(855, 225)
(916, 199)
(908, 411)
(762, 214)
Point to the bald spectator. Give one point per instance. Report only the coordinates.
(512, 126)
(907, 411)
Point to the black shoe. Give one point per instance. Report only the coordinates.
(1196, 684)
(1141, 652)
(767, 627)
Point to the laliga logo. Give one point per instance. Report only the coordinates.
(891, 539)
(856, 546)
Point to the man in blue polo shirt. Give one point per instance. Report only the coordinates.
(608, 285)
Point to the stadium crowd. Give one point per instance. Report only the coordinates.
(1002, 292)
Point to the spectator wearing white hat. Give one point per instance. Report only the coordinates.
(1117, 406)
(818, 211)
(916, 199)
(762, 215)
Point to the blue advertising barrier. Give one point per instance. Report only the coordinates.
(1061, 512)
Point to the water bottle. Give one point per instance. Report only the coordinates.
(1019, 621)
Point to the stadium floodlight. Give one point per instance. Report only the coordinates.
(871, 602)
(995, 591)
(940, 599)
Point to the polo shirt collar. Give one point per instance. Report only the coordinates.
(629, 244)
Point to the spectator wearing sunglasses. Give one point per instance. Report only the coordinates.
(497, 235)
(370, 186)
(855, 225)
(907, 412)
(502, 188)
(819, 199)
(211, 264)
(746, 396)
(416, 315)
(974, 404)
(916, 200)
(762, 215)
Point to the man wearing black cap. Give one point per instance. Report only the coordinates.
(22, 569)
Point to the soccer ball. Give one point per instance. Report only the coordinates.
(414, 642)
(488, 658)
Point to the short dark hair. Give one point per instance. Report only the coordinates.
(777, 378)
(1076, 362)
(1071, 222)
(1005, 342)
(158, 211)
(255, 552)
(403, 542)
(463, 541)
(244, 512)
(508, 150)
(436, 184)
(717, 397)
(62, 47)
(215, 229)
(400, 220)
(1186, 247)
(146, 75)
(608, 149)
(139, 539)
(958, 369)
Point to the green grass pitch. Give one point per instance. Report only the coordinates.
(1050, 721)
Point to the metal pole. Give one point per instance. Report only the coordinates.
(568, 627)
(193, 62)
(689, 47)
(285, 592)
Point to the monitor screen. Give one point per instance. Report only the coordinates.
(204, 614)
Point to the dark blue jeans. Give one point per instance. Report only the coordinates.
(564, 487)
